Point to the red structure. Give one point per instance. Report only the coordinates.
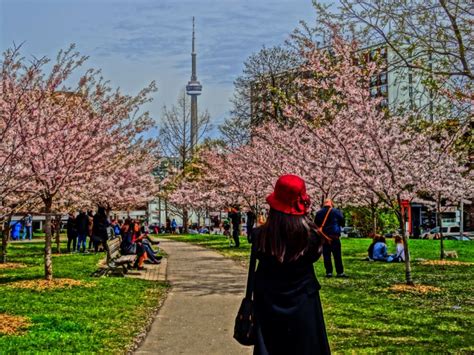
(406, 213)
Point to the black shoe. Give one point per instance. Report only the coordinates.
(342, 276)
(328, 275)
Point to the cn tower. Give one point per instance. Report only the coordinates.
(194, 89)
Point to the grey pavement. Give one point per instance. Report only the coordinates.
(198, 315)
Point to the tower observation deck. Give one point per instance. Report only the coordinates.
(194, 89)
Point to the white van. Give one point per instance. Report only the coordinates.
(447, 231)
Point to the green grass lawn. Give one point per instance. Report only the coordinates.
(104, 317)
(363, 315)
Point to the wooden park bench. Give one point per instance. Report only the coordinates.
(115, 261)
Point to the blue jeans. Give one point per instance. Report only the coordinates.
(27, 231)
(81, 241)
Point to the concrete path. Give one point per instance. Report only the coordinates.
(152, 272)
(198, 314)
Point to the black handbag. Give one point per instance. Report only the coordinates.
(245, 322)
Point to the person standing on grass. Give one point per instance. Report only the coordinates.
(174, 225)
(90, 227)
(288, 312)
(71, 231)
(82, 224)
(28, 231)
(99, 229)
(251, 218)
(331, 220)
(236, 219)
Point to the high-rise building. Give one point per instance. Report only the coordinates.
(194, 89)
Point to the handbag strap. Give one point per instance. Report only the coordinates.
(251, 274)
(320, 229)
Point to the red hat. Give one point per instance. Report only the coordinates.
(289, 196)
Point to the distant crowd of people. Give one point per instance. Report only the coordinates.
(98, 229)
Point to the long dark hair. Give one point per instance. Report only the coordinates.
(287, 237)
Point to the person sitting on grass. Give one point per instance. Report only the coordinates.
(380, 250)
(370, 250)
(203, 230)
(399, 255)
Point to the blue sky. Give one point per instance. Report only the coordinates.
(136, 41)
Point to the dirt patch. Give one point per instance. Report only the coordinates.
(416, 289)
(8, 266)
(13, 325)
(445, 263)
(41, 285)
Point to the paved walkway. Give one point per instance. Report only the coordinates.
(198, 314)
(152, 272)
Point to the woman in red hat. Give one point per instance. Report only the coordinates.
(287, 304)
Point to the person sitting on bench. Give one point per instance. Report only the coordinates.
(129, 245)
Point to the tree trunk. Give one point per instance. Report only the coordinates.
(5, 238)
(185, 220)
(48, 262)
(373, 213)
(440, 224)
(58, 237)
(408, 278)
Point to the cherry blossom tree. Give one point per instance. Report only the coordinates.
(380, 153)
(341, 142)
(79, 139)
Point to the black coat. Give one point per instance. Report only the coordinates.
(71, 227)
(82, 223)
(236, 218)
(287, 305)
(334, 222)
(99, 226)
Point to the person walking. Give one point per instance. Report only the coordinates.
(71, 231)
(82, 224)
(236, 219)
(288, 311)
(331, 220)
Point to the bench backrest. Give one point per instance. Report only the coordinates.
(113, 248)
